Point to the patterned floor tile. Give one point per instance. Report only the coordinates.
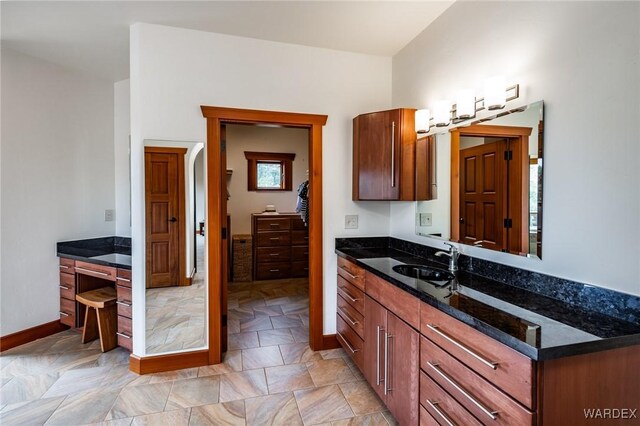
(279, 409)
(226, 413)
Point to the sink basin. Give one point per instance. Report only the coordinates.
(422, 272)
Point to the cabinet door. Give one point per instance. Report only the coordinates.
(402, 346)
(375, 326)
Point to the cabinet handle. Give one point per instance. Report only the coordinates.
(126, 336)
(65, 314)
(490, 364)
(64, 267)
(92, 271)
(353, 351)
(393, 160)
(65, 287)
(353, 277)
(274, 254)
(121, 303)
(274, 238)
(386, 362)
(444, 417)
(274, 225)
(488, 412)
(351, 320)
(378, 328)
(124, 279)
(274, 270)
(350, 297)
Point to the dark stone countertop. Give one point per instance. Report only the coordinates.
(535, 325)
(108, 251)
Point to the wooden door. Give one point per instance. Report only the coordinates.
(164, 200)
(225, 227)
(483, 195)
(375, 326)
(403, 371)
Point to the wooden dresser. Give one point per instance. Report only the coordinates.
(280, 246)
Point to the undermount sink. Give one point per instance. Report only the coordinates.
(422, 272)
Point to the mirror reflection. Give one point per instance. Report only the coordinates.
(484, 182)
(175, 275)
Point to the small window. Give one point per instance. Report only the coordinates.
(269, 171)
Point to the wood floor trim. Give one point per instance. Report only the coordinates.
(169, 362)
(30, 334)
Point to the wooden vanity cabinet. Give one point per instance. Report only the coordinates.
(68, 292)
(350, 311)
(124, 305)
(384, 155)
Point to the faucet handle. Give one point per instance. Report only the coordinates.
(453, 249)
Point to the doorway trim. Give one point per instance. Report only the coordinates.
(216, 118)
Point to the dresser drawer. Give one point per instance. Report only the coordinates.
(476, 394)
(439, 405)
(352, 317)
(123, 295)
(300, 253)
(67, 265)
(351, 294)
(67, 286)
(297, 223)
(351, 342)
(68, 312)
(272, 271)
(299, 238)
(99, 271)
(272, 239)
(299, 269)
(124, 333)
(273, 254)
(401, 303)
(504, 367)
(351, 272)
(124, 277)
(272, 223)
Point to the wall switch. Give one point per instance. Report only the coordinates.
(351, 221)
(426, 219)
(109, 215)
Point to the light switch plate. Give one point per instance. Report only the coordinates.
(109, 215)
(426, 219)
(351, 221)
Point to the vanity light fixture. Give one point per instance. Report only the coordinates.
(465, 106)
(495, 95)
(442, 113)
(423, 120)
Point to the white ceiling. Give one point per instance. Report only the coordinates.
(93, 36)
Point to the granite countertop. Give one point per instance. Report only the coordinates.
(535, 325)
(108, 251)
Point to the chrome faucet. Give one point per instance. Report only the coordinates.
(453, 255)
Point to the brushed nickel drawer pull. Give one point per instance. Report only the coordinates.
(123, 335)
(64, 266)
(65, 314)
(386, 362)
(274, 238)
(92, 271)
(490, 364)
(274, 270)
(64, 287)
(354, 277)
(444, 417)
(124, 279)
(274, 254)
(353, 351)
(351, 320)
(274, 225)
(393, 153)
(353, 299)
(378, 329)
(122, 286)
(488, 412)
(121, 303)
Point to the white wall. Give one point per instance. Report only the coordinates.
(583, 60)
(200, 194)
(121, 130)
(262, 139)
(57, 179)
(175, 71)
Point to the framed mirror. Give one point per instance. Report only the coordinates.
(175, 275)
(486, 183)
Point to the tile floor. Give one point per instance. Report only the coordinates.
(269, 376)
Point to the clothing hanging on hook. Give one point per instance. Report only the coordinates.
(302, 205)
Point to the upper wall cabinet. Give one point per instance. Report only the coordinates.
(384, 156)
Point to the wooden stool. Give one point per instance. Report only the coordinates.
(103, 323)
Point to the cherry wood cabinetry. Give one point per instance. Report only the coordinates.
(350, 311)
(124, 304)
(384, 155)
(68, 292)
(280, 246)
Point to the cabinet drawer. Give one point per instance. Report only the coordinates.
(68, 312)
(299, 269)
(476, 394)
(353, 295)
(439, 404)
(67, 265)
(124, 277)
(299, 253)
(352, 317)
(297, 223)
(272, 224)
(401, 303)
(351, 272)
(124, 333)
(273, 254)
(67, 286)
(504, 367)
(299, 238)
(272, 271)
(99, 271)
(272, 239)
(427, 420)
(124, 300)
(351, 342)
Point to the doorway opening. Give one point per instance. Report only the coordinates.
(217, 223)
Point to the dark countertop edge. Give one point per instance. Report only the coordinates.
(96, 261)
(536, 354)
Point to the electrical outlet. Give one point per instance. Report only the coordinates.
(426, 219)
(109, 215)
(351, 221)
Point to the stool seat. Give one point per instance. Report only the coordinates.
(100, 319)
